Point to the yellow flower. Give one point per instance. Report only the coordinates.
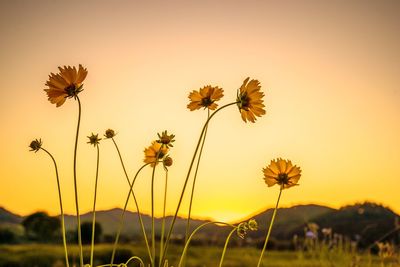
(65, 84)
(150, 153)
(206, 97)
(249, 100)
(282, 172)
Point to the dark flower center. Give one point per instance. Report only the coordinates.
(71, 90)
(283, 179)
(245, 101)
(165, 140)
(205, 102)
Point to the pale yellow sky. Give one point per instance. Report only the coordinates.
(329, 71)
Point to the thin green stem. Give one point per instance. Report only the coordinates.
(163, 217)
(270, 227)
(194, 180)
(61, 208)
(226, 245)
(94, 206)
(135, 258)
(194, 184)
(124, 211)
(187, 179)
(192, 234)
(153, 234)
(78, 217)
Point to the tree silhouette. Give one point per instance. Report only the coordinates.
(86, 230)
(41, 227)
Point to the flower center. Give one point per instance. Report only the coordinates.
(205, 102)
(245, 101)
(71, 90)
(283, 179)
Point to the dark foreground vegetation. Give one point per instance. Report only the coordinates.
(35, 255)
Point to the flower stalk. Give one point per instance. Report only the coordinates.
(61, 208)
(226, 245)
(78, 217)
(187, 178)
(163, 218)
(193, 233)
(126, 203)
(94, 206)
(270, 227)
(153, 234)
(194, 179)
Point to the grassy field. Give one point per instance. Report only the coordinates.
(34, 255)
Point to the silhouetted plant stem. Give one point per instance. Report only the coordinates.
(226, 245)
(194, 184)
(194, 180)
(270, 227)
(163, 218)
(61, 208)
(153, 234)
(78, 217)
(187, 178)
(94, 206)
(126, 203)
(192, 234)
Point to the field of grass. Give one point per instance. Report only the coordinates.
(34, 255)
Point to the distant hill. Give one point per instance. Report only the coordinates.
(7, 217)
(365, 222)
(110, 219)
(289, 220)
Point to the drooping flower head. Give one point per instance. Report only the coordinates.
(35, 145)
(94, 139)
(282, 172)
(253, 226)
(110, 133)
(150, 153)
(205, 97)
(65, 84)
(167, 161)
(249, 100)
(165, 139)
(241, 229)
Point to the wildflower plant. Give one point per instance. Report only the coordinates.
(68, 83)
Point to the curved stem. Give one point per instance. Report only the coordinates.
(163, 218)
(187, 178)
(61, 208)
(94, 206)
(270, 227)
(194, 180)
(225, 246)
(135, 258)
(123, 216)
(192, 234)
(78, 217)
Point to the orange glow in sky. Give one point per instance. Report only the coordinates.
(329, 71)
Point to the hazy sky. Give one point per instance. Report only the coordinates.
(329, 70)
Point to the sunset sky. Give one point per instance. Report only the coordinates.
(329, 71)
